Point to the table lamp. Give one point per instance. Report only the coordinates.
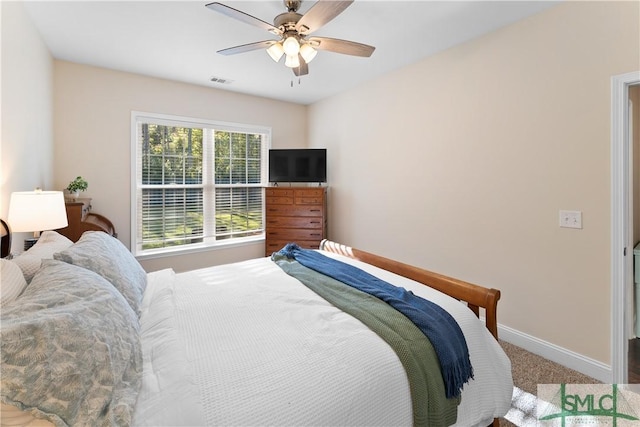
(36, 211)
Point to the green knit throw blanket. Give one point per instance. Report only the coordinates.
(430, 406)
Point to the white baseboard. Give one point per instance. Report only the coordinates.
(564, 357)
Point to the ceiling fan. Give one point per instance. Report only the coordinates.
(294, 29)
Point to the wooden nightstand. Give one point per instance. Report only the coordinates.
(81, 219)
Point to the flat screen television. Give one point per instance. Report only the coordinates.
(298, 165)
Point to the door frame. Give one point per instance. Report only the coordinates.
(621, 244)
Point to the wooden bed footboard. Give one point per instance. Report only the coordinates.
(475, 296)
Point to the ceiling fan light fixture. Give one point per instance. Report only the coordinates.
(292, 61)
(292, 28)
(307, 52)
(291, 46)
(276, 51)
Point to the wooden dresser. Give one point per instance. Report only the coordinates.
(295, 215)
(81, 219)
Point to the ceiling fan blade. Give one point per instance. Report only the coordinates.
(341, 46)
(321, 13)
(247, 47)
(244, 17)
(303, 69)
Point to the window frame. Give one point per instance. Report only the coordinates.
(209, 185)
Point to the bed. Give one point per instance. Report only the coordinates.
(91, 339)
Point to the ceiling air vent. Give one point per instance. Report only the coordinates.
(221, 80)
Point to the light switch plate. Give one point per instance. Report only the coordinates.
(570, 219)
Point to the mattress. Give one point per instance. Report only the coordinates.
(246, 344)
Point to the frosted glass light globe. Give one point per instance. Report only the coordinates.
(275, 51)
(308, 53)
(291, 46)
(292, 61)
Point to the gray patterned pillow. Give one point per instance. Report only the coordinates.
(107, 256)
(70, 350)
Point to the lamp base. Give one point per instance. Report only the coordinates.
(29, 242)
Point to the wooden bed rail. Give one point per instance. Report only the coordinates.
(475, 296)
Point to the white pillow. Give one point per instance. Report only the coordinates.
(49, 243)
(12, 282)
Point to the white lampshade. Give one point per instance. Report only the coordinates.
(292, 61)
(276, 51)
(37, 211)
(307, 52)
(291, 46)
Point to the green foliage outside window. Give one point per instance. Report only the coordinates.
(173, 185)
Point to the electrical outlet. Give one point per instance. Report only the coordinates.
(570, 219)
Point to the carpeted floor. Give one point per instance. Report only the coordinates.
(529, 370)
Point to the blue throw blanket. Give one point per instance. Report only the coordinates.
(438, 326)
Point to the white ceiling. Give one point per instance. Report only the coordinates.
(178, 40)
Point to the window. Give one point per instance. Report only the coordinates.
(196, 183)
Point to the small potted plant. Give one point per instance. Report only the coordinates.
(76, 186)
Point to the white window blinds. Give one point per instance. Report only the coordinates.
(197, 183)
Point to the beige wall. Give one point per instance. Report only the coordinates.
(93, 132)
(26, 140)
(461, 162)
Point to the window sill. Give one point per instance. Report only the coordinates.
(163, 253)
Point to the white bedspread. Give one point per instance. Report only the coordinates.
(246, 344)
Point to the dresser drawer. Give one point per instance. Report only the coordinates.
(277, 200)
(294, 222)
(275, 245)
(291, 210)
(279, 192)
(294, 234)
(310, 192)
(308, 200)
